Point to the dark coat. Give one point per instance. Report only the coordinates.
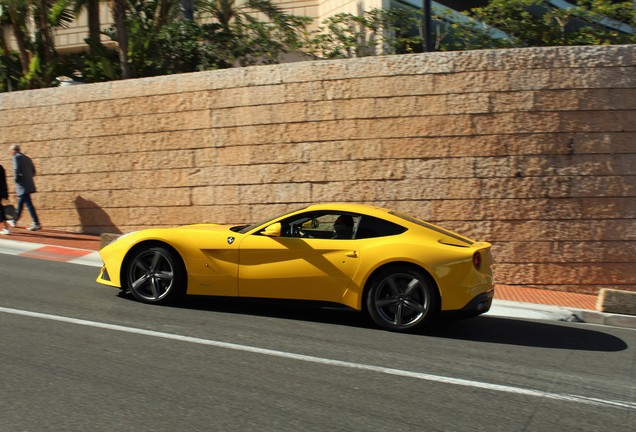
(4, 192)
(24, 173)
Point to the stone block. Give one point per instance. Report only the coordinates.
(595, 121)
(192, 82)
(617, 301)
(545, 251)
(557, 273)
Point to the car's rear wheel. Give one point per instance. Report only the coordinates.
(401, 299)
(155, 274)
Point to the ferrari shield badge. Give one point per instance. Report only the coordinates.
(230, 240)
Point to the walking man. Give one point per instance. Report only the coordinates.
(24, 186)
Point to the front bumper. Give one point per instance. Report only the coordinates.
(104, 278)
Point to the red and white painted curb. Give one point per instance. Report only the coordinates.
(51, 253)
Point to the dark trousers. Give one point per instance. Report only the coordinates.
(25, 200)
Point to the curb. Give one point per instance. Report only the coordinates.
(51, 253)
(514, 309)
(511, 309)
(604, 318)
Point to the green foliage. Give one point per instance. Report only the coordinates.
(237, 37)
(341, 36)
(537, 23)
(181, 48)
(34, 75)
(61, 13)
(32, 24)
(523, 23)
(378, 31)
(99, 66)
(144, 23)
(9, 72)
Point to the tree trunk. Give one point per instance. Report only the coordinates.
(162, 14)
(93, 21)
(20, 38)
(45, 31)
(4, 45)
(119, 14)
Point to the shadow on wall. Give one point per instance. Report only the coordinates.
(93, 219)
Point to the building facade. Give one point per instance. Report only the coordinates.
(71, 39)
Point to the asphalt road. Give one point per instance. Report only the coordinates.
(77, 356)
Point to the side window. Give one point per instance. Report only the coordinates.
(371, 227)
(321, 225)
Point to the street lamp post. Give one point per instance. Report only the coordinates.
(427, 31)
(187, 9)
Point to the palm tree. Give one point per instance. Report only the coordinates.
(5, 23)
(163, 12)
(32, 23)
(15, 12)
(119, 8)
(41, 13)
(240, 38)
(94, 20)
(228, 11)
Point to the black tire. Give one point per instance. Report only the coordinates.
(401, 299)
(155, 275)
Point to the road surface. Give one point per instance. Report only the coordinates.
(78, 356)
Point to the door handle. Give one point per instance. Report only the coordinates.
(352, 254)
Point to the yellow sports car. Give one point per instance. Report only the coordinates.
(400, 270)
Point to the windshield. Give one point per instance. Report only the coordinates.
(244, 229)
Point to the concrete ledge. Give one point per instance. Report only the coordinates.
(616, 302)
(607, 319)
(108, 238)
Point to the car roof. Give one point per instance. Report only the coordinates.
(349, 207)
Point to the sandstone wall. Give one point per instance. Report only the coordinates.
(533, 150)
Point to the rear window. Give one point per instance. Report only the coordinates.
(371, 227)
(432, 227)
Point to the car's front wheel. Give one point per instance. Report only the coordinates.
(401, 299)
(155, 274)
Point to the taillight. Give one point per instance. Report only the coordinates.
(477, 260)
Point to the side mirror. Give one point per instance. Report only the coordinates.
(273, 230)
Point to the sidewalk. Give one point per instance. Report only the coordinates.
(510, 301)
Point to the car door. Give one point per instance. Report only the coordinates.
(311, 264)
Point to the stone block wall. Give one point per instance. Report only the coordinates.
(533, 150)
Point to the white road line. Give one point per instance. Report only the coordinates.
(324, 361)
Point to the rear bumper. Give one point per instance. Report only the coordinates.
(477, 306)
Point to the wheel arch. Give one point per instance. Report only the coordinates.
(396, 264)
(145, 244)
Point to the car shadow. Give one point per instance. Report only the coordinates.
(485, 329)
(530, 333)
(319, 312)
